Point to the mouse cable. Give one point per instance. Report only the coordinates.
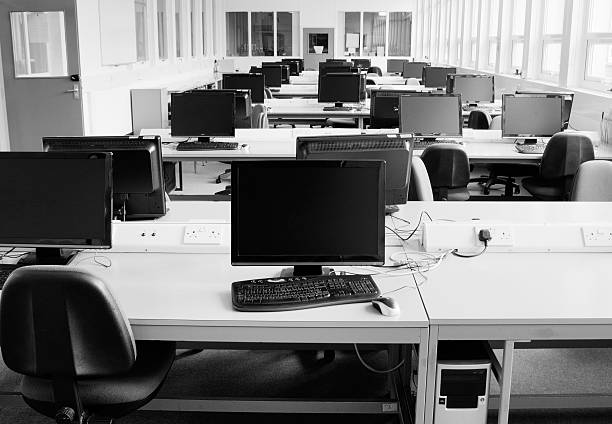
(395, 368)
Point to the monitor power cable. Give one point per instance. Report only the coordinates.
(390, 370)
(484, 236)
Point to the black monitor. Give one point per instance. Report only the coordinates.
(244, 107)
(138, 181)
(384, 107)
(336, 61)
(473, 88)
(413, 69)
(362, 63)
(253, 82)
(55, 200)
(568, 101)
(340, 88)
(435, 76)
(203, 114)
(334, 67)
(294, 66)
(319, 213)
(273, 75)
(531, 116)
(395, 150)
(284, 70)
(395, 66)
(431, 115)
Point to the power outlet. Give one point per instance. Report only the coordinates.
(597, 236)
(501, 235)
(203, 234)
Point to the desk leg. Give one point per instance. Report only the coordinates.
(420, 408)
(430, 385)
(180, 176)
(506, 383)
(360, 122)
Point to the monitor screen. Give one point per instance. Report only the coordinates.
(413, 69)
(472, 88)
(340, 88)
(568, 101)
(203, 113)
(431, 116)
(334, 67)
(395, 65)
(273, 75)
(55, 199)
(434, 76)
(137, 170)
(531, 116)
(395, 150)
(384, 107)
(319, 212)
(253, 82)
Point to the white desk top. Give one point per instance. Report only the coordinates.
(310, 108)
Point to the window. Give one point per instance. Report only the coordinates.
(194, 26)
(400, 33)
(140, 7)
(237, 33)
(435, 29)
(492, 39)
(284, 33)
(470, 33)
(262, 34)
(365, 33)
(455, 37)
(178, 24)
(598, 66)
(162, 30)
(552, 38)
(352, 30)
(203, 18)
(519, 10)
(374, 33)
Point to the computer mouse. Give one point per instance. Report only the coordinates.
(386, 306)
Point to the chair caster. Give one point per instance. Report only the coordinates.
(486, 191)
(517, 190)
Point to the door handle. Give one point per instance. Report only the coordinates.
(76, 91)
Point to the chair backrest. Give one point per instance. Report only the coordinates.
(564, 153)
(447, 165)
(413, 82)
(420, 186)
(593, 182)
(61, 323)
(479, 120)
(496, 123)
(259, 116)
(268, 93)
(375, 70)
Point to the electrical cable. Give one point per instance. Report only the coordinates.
(395, 368)
(484, 236)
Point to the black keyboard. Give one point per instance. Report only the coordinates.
(5, 271)
(207, 145)
(337, 109)
(422, 144)
(284, 294)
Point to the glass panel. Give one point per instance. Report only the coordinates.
(374, 33)
(553, 16)
(262, 34)
(494, 17)
(599, 61)
(194, 25)
(141, 30)
(352, 26)
(39, 44)
(237, 24)
(551, 57)
(318, 43)
(162, 29)
(284, 33)
(600, 16)
(518, 17)
(517, 55)
(204, 27)
(492, 52)
(179, 28)
(474, 18)
(473, 52)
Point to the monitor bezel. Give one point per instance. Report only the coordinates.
(340, 260)
(429, 68)
(521, 136)
(432, 95)
(231, 133)
(106, 242)
(339, 75)
(450, 86)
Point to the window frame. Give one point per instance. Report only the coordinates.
(274, 32)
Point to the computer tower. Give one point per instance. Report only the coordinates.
(462, 383)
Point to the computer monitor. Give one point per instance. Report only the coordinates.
(395, 66)
(431, 115)
(413, 69)
(384, 107)
(334, 67)
(253, 82)
(273, 75)
(362, 63)
(435, 76)
(340, 88)
(294, 66)
(284, 70)
(395, 150)
(336, 61)
(319, 213)
(568, 101)
(244, 107)
(531, 116)
(473, 88)
(138, 180)
(203, 114)
(55, 200)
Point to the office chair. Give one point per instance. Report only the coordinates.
(413, 82)
(375, 70)
(479, 120)
(420, 186)
(496, 122)
(268, 93)
(259, 117)
(593, 182)
(63, 330)
(448, 168)
(562, 156)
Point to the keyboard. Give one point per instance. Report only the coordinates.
(337, 109)
(5, 271)
(530, 148)
(422, 144)
(206, 145)
(284, 294)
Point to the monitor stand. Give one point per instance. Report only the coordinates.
(305, 271)
(204, 140)
(46, 256)
(528, 141)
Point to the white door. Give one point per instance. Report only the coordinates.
(318, 45)
(40, 60)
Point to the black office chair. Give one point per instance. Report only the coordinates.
(449, 171)
(375, 70)
(562, 156)
(66, 334)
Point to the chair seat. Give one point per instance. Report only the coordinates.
(111, 397)
(460, 194)
(545, 189)
(341, 123)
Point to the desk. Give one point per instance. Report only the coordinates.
(309, 91)
(387, 79)
(304, 110)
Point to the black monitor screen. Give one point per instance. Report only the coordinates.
(203, 113)
(55, 199)
(434, 76)
(531, 116)
(395, 65)
(294, 66)
(362, 63)
(431, 116)
(273, 75)
(339, 88)
(253, 82)
(319, 212)
(472, 88)
(413, 69)
(384, 107)
(334, 67)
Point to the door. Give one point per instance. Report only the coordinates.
(318, 45)
(40, 60)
